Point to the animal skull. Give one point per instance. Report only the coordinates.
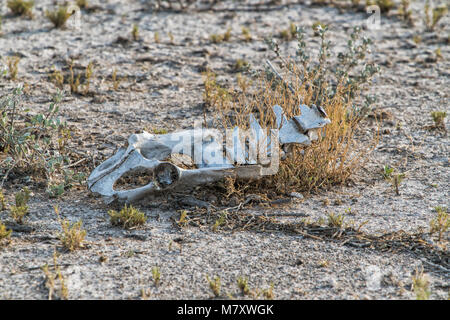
(149, 153)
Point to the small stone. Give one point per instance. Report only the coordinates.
(297, 195)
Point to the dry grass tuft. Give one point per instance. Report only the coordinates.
(59, 16)
(128, 217)
(336, 155)
(21, 7)
(72, 236)
(4, 234)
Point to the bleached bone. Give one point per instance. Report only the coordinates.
(149, 153)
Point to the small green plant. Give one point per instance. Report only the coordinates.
(396, 181)
(268, 293)
(55, 191)
(156, 274)
(21, 7)
(156, 37)
(20, 209)
(324, 263)
(246, 34)
(441, 223)
(290, 33)
(53, 278)
(243, 285)
(215, 38)
(218, 38)
(160, 131)
(227, 35)
(75, 79)
(72, 235)
(135, 32)
(214, 95)
(58, 16)
(4, 233)
(405, 12)
(421, 285)
(439, 118)
(214, 285)
(116, 80)
(335, 220)
(219, 222)
(385, 5)
(241, 65)
(128, 217)
(183, 221)
(13, 67)
(88, 75)
(83, 4)
(57, 78)
(417, 39)
(432, 19)
(2, 202)
(387, 172)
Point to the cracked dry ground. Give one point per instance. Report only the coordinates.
(162, 87)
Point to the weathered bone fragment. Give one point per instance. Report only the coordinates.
(246, 154)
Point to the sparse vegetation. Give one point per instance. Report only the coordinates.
(2, 202)
(129, 217)
(333, 157)
(385, 5)
(441, 223)
(214, 285)
(243, 285)
(405, 12)
(219, 222)
(214, 95)
(83, 4)
(335, 220)
(116, 80)
(387, 172)
(21, 7)
(241, 65)
(156, 274)
(33, 144)
(396, 181)
(57, 78)
(55, 281)
(218, 38)
(13, 67)
(4, 234)
(135, 32)
(182, 222)
(290, 33)
(156, 37)
(432, 18)
(268, 293)
(20, 209)
(72, 235)
(75, 79)
(439, 119)
(421, 285)
(247, 36)
(58, 16)
(324, 263)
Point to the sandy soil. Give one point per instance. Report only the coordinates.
(162, 88)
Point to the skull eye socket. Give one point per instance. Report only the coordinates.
(166, 174)
(133, 179)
